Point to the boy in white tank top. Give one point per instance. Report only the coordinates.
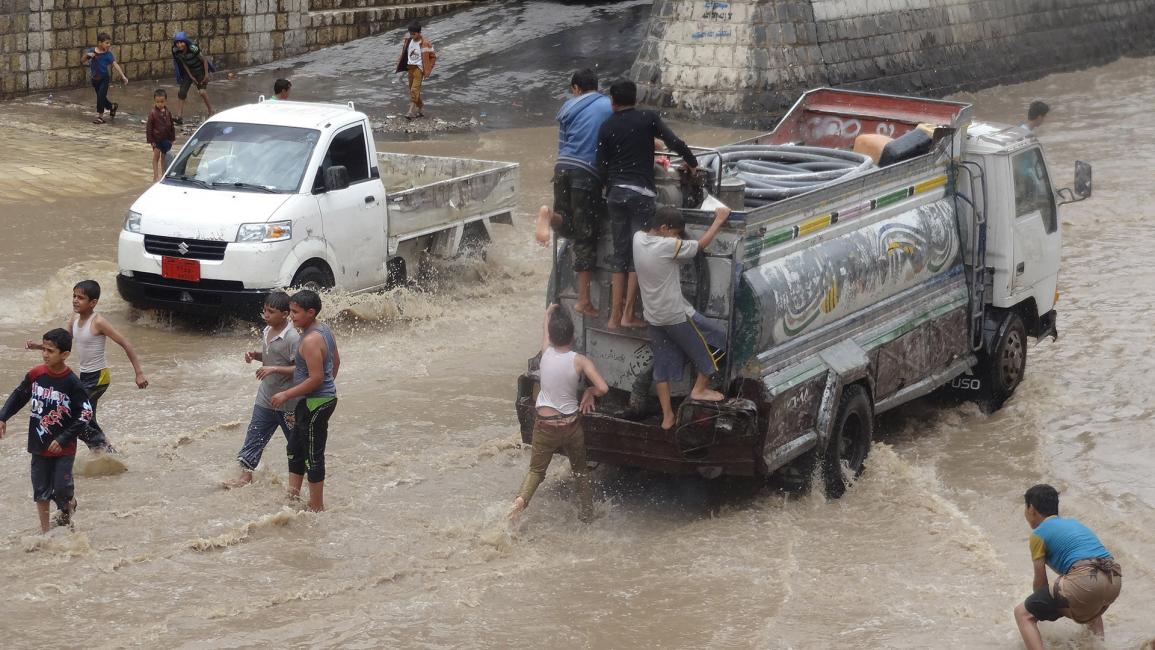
(90, 331)
(558, 422)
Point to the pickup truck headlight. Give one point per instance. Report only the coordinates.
(265, 232)
(132, 221)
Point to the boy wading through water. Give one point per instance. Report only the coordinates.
(417, 59)
(558, 422)
(60, 411)
(279, 343)
(90, 332)
(1089, 579)
(315, 368)
(676, 331)
(101, 62)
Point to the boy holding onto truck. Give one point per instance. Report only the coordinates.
(90, 332)
(60, 412)
(316, 365)
(1089, 577)
(101, 62)
(625, 161)
(558, 422)
(159, 132)
(677, 331)
(577, 188)
(279, 342)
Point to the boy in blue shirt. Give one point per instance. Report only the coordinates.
(1089, 579)
(101, 63)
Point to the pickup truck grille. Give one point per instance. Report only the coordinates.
(197, 249)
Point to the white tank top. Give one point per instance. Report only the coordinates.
(88, 348)
(559, 381)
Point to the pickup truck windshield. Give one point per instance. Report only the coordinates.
(252, 157)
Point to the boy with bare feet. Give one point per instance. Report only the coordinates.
(1089, 579)
(558, 422)
(90, 332)
(577, 188)
(60, 411)
(677, 331)
(315, 368)
(279, 342)
(625, 160)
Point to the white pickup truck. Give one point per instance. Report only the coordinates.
(286, 194)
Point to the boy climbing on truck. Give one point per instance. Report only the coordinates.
(558, 422)
(60, 412)
(90, 332)
(677, 331)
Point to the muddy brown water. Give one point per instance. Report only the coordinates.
(929, 548)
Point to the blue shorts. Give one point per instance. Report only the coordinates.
(697, 339)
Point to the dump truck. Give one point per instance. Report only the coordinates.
(294, 194)
(843, 299)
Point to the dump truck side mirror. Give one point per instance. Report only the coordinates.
(1083, 185)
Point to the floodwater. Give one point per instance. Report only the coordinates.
(929, 548)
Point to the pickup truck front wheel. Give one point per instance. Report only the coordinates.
(313, 278)
(849, 443)
(1003, 367)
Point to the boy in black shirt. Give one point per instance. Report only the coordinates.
(60, 411)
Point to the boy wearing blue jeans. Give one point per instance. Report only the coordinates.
(101, 62)
(279, 348)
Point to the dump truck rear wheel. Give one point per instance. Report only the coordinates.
(853, 430)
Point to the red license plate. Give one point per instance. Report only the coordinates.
(178, 268)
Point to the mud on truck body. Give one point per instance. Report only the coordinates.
(843, 301)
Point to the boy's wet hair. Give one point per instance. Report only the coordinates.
(1044, 498)
(281, 85)
(279, 300)
(60, 338)
(1037, 109)
(414, 28)
(102, 37)
(306, 299)
(90, 288)
(624, 93)
(560, 327)
(159, 92)
(586, 80)
(669, 217)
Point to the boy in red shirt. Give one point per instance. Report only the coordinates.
(160, 133)
(60, 411)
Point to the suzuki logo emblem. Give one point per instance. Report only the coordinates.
(183, 248)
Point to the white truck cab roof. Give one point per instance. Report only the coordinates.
(306, 115)
(993, 138)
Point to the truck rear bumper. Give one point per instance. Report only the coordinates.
(709, 439)
(147, 290)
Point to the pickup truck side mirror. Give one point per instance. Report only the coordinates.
(1083, 185)
(336, 178)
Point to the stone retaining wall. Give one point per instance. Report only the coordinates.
(41, 41)
(746, 61)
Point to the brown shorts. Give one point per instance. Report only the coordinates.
(1090, 587)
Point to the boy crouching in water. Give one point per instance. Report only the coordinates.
(279, 342)
(60, 412)
(558, 421)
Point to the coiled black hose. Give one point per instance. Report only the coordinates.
(774, 172)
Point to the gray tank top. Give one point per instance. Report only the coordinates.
(328, 387)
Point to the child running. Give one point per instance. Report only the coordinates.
(101, 62)
(90, 332)
(315, 368)
(279, 349)
(60, 412)
(558, 422)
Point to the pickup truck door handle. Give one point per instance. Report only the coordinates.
(370, 198)
(1021, 268)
